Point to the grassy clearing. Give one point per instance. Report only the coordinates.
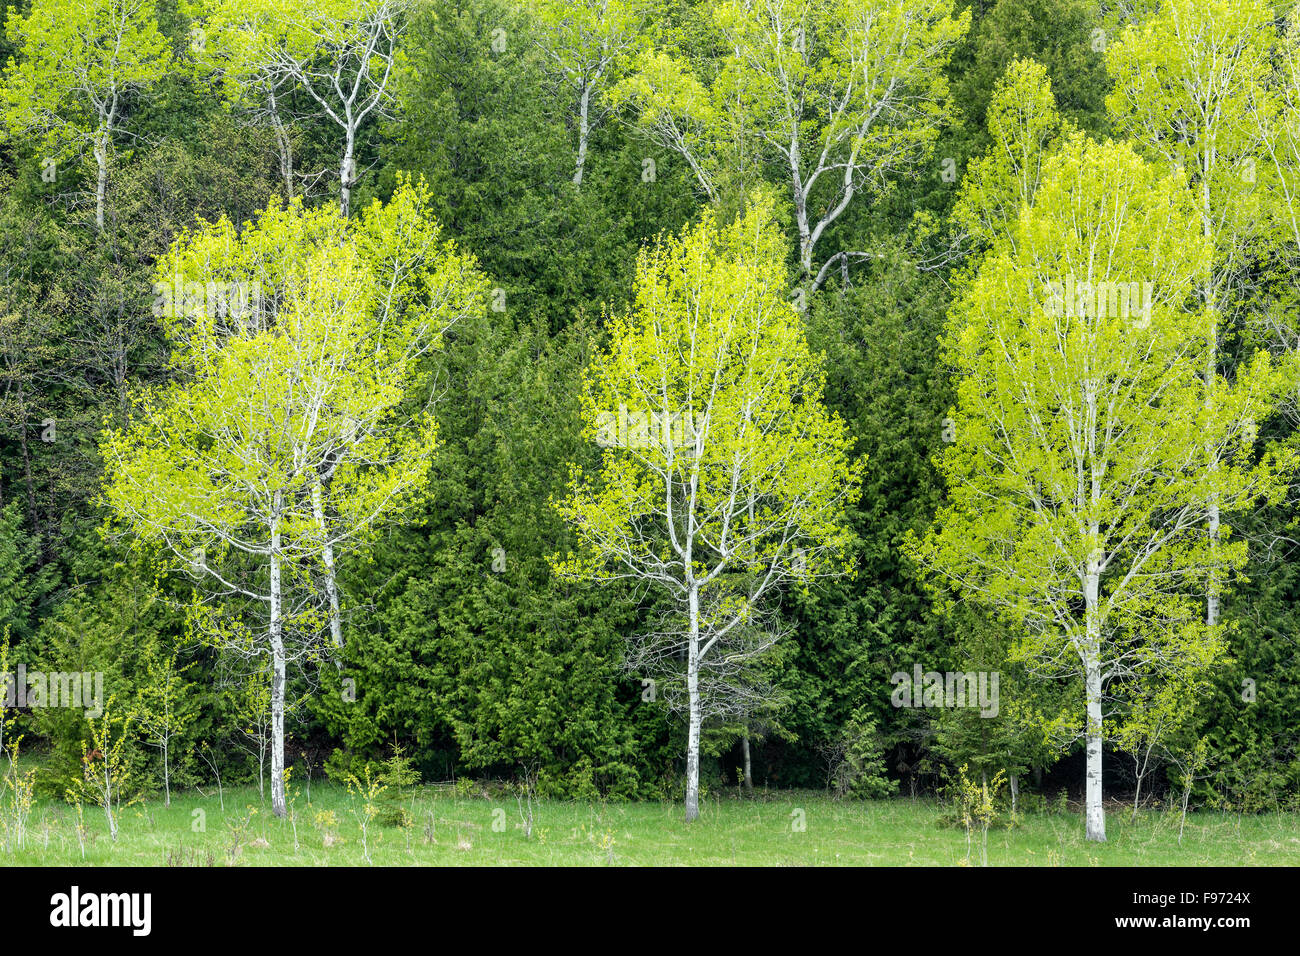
(452, 829)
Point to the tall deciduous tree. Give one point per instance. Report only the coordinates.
(1190, 89)
(1280, 128)
(79, 64)
(339, 53)
(1024, 125)
(232, 43)
(213, 287)
(724, 476)
(298, 386)
(1078, 492)
(587, 43)
(842, 95)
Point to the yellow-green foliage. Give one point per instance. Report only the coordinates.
(1083, 435)
(78, 62)
(713, 349)
(305, 375)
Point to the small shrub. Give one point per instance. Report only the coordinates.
(397, 779)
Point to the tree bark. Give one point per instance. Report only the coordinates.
(108, 796)
(101, 185)
(284, 143)
(1182, 821)
(749, 769)
(277, 674)
(1211, 370)
(1096, 815)
(805, 233)
(331, 580)
(1094, 811)
(693, 734)
(347, 173)
(584, 131)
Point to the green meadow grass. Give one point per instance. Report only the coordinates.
(763, 830)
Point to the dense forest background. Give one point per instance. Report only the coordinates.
(463, 648)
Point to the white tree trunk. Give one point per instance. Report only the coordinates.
(1211, 371)
(284, 143)
(286, 158)
(1212, 595)
(584, 131)
(278, 806)
(1182, 821)
(101, 186)
(749, 771)
(108, 798)
(693, 733)
(347, 174)
(800, 196)
(1095, 813)
(331, 580)
(277, 677)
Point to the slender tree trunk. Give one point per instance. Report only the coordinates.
(167, 782)
(693, 734)
(331, 580)
(286, 158)
(1211, 370)
(1013, 782)
(347, 174)
(749, 769)
(1096, 814)
(1140, 765)
(800, 197)
(1212, 596)
(285, 146)
(108, 796)
(101, 186)
(1094, 811)
(584, 131)
(278, 806)
(801, 220)
(1182, 821)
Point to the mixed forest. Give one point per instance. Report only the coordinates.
(633, 399)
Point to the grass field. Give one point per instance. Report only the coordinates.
(453, 829)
